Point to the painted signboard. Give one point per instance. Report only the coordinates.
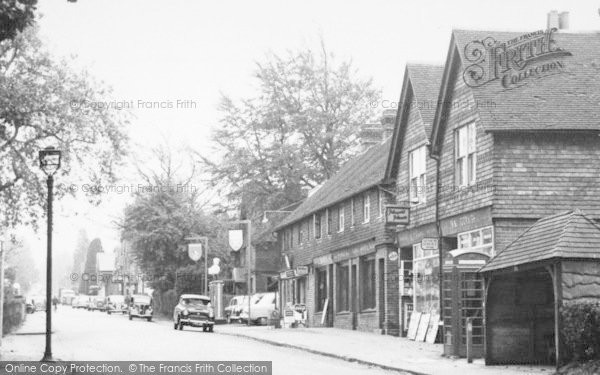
(397, 215)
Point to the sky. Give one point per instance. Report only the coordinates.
(188, 53)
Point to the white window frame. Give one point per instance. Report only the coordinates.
(417, 175)
(465, 150)
(341, 221)
(380, 195)
(318, 233)
(352, 208)
(366, 208)
(477, 245)
(327, 222)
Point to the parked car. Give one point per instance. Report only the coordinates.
(39, 302)
(140, 307)
(234, 309)
(30, 308)
(115, 303)
(99, 304)
(194, 310)
(262, 307)
(66, 296)
(81, 302)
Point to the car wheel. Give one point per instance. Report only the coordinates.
(149, 319)
(175, 324)
(108, 312)
(130, 317)
(204, 328)
(180, 326)
(210, 328)
(262, 321)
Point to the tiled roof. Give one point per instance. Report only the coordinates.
(568, 234)
(356, 175)
(569, 100)
(425, 81)
(564, 101)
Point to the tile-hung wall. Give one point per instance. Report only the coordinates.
(346, 247)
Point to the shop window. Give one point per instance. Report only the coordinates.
(368, 283)
(366, 208)
(481, 239)
(425, 275)
(301, 290)
(343, 294)
(317, 225)
(465, 148)
(341, 218)
(417, 174)
(321, 288)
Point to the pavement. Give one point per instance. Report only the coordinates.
(386, 352)
(88, 336)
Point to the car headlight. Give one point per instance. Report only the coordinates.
(186, 312)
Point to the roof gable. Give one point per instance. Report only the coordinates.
(558, 91)
(569, 234)
(420, 91)
(355, 176)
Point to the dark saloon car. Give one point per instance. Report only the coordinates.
(141, 307)
(194, 310)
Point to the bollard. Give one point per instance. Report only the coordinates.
(470, 340)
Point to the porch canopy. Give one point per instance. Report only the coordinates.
(555, 261)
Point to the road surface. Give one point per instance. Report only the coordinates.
(93, 335)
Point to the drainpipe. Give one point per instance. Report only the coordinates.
(438, 227)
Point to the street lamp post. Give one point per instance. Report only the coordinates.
(49, 163)
(248, 224)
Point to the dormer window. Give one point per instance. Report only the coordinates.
(465, 147)
(418, 174)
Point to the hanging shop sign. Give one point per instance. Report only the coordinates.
(296, 272)
(397, 215)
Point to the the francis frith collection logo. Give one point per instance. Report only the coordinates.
(514, 62)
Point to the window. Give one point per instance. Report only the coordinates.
(329, 220)
(317, 225)
(426, 290)
(368, 294)
(321, 288)
(418, 174)
(343, 302)
(366, 208)
(308, 225)
(465, 154)
(341, 218)
(352, 212)
(380, 197)
(481, 239)
(300, 233)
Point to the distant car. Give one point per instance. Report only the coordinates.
(39, 302)
(141, 307)
(29, 308)
(66, 296)
(194, 310)
(115, 304)
(82, 301)
(234, 309)
(262, 307)
(91, 305)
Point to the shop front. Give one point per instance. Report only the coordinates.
(293, 289)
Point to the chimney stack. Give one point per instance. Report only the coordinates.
(388, 121)
(563, 21)
(552, 20)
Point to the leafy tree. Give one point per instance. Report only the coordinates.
(162, 215)
(44, 102)
(294, 133)
(15, 16)
(20, 258)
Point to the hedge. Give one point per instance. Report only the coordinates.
(14, 314)
(581, 330)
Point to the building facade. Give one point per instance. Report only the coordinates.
(505, 149)
(336, 250)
